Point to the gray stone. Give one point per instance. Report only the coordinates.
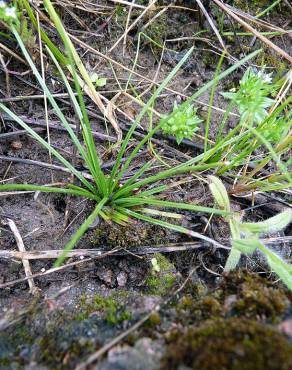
(145, 355)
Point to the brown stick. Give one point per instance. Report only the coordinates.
(55, 253)
(9, 135)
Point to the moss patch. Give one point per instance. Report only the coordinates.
(234, 343)
(114, 312)
(64, 354)
(134, 234)
(241, 294)
(159, 283)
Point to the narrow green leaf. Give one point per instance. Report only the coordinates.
(136, 201)
(166, 174)
(142, 113)
(273, 224)
(47, 189)
(155, 212)
(232, 260)
(61, 58)
(45, 144)
(170, 226)
(246, 246)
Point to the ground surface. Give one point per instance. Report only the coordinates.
(197, 317)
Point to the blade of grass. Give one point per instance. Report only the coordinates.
(48, 189)
(138, 174)
(54, 49)
(188, 101)
(52, 101)
(274, 155)
(166, 174)
(88, 86)
(221, 76)
(77, 109)
(211, 102)
(155, 212)
(80, 109)
(136, 201)
(142, 113)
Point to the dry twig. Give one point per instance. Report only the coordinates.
(32, 288)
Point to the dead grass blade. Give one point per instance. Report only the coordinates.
(32, 288)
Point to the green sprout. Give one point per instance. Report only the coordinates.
(181, 123)
(252, 97)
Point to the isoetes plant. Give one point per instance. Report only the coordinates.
(245, 236)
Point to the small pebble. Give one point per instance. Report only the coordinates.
(122, 279)
(16, 145)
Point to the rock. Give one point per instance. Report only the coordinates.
(122, 279)
(35, 366)
(145, 354)
(105, 275)
(286, 328)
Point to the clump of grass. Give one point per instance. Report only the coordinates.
(119, 200)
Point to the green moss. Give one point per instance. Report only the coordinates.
(266, 58)
(113, 311)
(186, 303)
(234, 343)
(58, 355)
(132, 235)
(160, 282)
(153, 321)
(240, 293)
(159, 285)
(4, 362)
(255, 296)
(158, 31)
(12, 342)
